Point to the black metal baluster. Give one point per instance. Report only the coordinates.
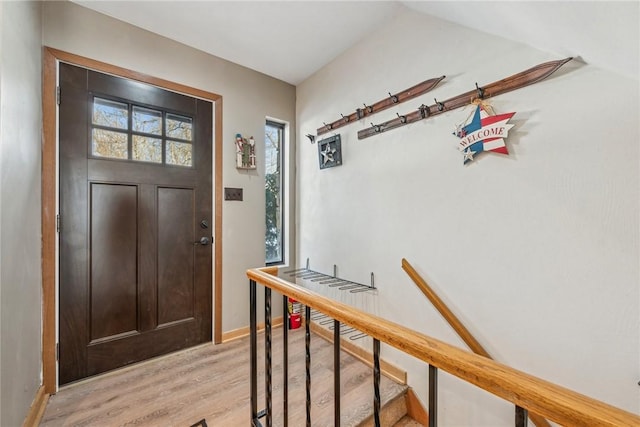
(336, 373)
(307, 343)
(433, 396)
(285, 362)
(267, 359)
(376, 382)
(253, 332)
(522, 417)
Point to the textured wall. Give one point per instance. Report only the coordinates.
(537, 252)
(248, 99)
(20, 274)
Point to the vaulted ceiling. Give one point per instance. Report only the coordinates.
(290, 40)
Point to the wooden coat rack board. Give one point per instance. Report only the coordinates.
(516, 81)
(383, 104)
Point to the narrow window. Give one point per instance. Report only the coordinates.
(274, 189)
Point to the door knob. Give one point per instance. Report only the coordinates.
(204, 241)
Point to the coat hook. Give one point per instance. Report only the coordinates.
(376, 128)
(403, 119)
(480, 91)
(369, 108)
(312, 138)
(328, 126)
(424, 111)
(440, 105)
(346, 118)
(394, 98)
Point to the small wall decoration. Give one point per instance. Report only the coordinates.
(482, 131)
(330, 152)
(245, 152)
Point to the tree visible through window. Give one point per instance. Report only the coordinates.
(121, 130)
(274, 144)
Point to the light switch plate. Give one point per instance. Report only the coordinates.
(233, 194)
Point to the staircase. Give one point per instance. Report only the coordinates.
(356, 407)
(357, 404)
(394, 413)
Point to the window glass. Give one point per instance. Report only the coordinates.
(110, 113)
(179, 127)
(274, 144)
(145, 120)
(178, 153)
(146, 149)
(106, 143)
(124, 131)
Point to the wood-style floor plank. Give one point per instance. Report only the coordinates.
(212, 382)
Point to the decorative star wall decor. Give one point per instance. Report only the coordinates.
(329, 152)
(483, 132)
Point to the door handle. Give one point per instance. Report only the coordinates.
(204, 241)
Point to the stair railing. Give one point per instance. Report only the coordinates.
(459, 328)
(527, 392)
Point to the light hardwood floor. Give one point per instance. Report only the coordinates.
(212, 382)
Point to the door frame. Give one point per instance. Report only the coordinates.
(51, 58)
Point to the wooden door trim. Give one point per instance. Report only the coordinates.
(51, 57)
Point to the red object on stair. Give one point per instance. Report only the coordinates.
(295, 320)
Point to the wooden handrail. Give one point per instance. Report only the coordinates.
(457, 325)
(448, 315)
(552, 401)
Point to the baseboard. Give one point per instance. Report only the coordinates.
(243, 332)
(363, 355)
(415, 409)
(37, 408)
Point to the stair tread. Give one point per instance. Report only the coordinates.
(390, 413)
(407, 421)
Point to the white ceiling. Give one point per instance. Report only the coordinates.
(290, 40)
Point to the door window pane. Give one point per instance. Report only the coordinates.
(106, 143)
(179, 127)
(121, 130)
(146, 149)
(178, 153)
(146, 120)
(110, 113)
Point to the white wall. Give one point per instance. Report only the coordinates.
(248, 98)
(537, 252)
(20, 165)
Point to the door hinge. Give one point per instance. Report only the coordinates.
(57, 351)
(58, 95)
(58, 221)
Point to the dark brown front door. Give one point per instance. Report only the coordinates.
(135, 207)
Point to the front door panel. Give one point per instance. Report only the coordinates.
(135, 183)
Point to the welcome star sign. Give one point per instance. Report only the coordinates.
(483, 132)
